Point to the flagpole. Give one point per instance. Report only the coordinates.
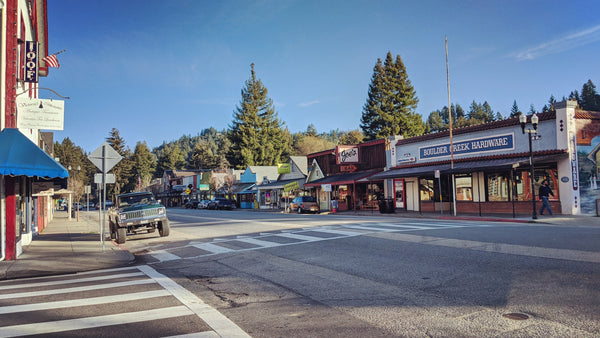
(450, 126)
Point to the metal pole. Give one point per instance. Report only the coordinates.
(450, 127)
(533, 212)
(104, 193)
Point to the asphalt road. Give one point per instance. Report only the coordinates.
(277, 275)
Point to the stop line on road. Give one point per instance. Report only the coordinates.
(114, 300)
(292, 237)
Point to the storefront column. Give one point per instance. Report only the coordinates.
(10, 252)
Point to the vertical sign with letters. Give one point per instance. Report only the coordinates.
(31, 61)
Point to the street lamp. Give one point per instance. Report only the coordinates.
(532, 135)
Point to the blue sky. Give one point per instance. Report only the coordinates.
(157, 70)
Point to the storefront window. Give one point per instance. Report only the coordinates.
(426, 189)
(498, 187)
(464, 188)
(523, 183)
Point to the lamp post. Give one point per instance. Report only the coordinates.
(532, 133)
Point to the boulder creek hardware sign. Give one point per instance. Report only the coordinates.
(479, 145)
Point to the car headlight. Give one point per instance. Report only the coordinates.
(122, 217)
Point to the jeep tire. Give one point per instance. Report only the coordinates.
(121, 235)
(163, 228)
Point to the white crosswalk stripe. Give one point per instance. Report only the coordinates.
(306, 235)
(52, 305)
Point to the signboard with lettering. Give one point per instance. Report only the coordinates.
(346, 154)
(291, 186)
(284, 168)
(31, 62)
(40, 113)
(479, 145)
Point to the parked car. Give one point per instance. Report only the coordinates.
(107, 205)
(304, 204)
(203, 204)
(192, 204)
(219, 203)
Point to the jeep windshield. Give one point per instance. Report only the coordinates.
(125, 201)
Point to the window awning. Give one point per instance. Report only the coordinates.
(463, 167)
(21, 157)
(342, 178)
(280, 184)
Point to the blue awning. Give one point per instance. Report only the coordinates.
(21, 157)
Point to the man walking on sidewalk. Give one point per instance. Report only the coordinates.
(544, 194)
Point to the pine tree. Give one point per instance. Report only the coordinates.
(490, 115)
(434, 122)
(202, 156)
(370, 122)
(391, 102)
(532, 109)
(514, 111)
(143, 164)
(256, 134)
(121, 170)
(590, 100)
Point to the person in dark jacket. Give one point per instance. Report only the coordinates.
(544, 194)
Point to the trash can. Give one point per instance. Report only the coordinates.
(386, 206)
(382, 206)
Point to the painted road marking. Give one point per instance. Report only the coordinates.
(163, 256)
(212, 248)
(71, 281)
(75, 289)
(522, 250)
(254, 241)
(83, 302)
(93, 322)
(300, 237)
(216, 320)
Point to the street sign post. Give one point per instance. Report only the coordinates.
(105, 158)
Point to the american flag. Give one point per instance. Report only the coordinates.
(51, 61)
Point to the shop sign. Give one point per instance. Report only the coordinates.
(346, 154)
(291, 186)
(348, 168)
(31, 62)
(40, 113)
(407, 159)
(284, 168)
(203, 187)
(326, 187)
(479, 145)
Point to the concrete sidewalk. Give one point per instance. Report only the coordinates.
(74, 246)
(66, 246)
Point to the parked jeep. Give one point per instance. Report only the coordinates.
(137, 212)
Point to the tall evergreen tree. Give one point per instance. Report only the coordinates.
(143, 164)
(170, 157)
(532, 109)
(434, 122)
(391, 102)
(514, 110)
(202, 157)
(121, 170)
(256, 134)
(590, 100)
(491, 116)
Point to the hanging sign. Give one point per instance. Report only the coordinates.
(40, 113)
